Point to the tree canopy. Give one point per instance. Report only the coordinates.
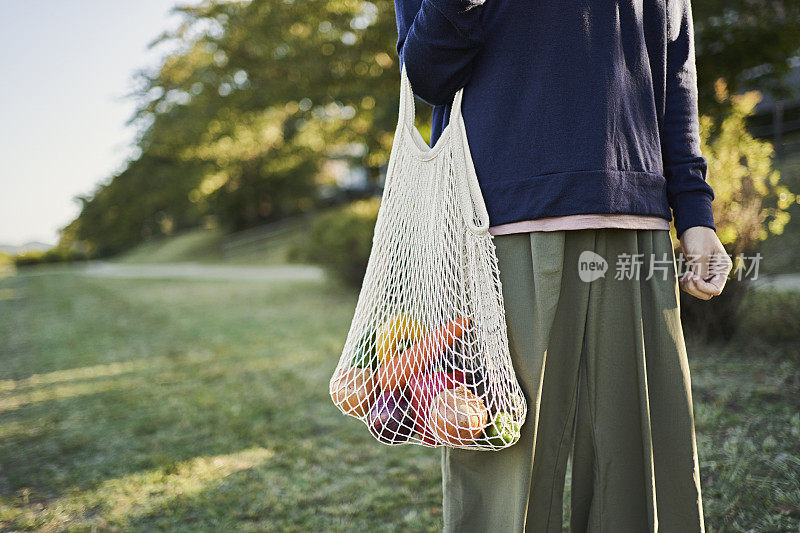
(236, 122)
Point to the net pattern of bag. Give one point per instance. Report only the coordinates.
(426, 360)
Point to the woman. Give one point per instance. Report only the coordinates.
(582, 123)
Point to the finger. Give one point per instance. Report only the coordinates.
(704, 287)
(710, 284)
(686, 285)
(690, 276)
(689, 285)
(695, 263)
(719, 265)
(702, 269)
(714, 285)
(707, 288)
(685, 281)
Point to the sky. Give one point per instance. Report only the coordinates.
(65, 71)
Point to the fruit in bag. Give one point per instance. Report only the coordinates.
(457, 417)
(503, 430)
(394, 334)
(366, 355)
(394, 373)
(422, 390)
(432, 265)
(390, 419)
(353, 391)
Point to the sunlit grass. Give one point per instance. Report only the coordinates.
(195, 405)
(6, 269)
(57, 392)
(8, 294)
(137, 494)
(73, 374)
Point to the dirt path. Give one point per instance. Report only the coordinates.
(293, 273)
(208, 272)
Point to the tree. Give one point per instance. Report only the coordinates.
(751, 44)
(236, 122)
(278, 85)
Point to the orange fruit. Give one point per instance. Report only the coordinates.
(353, 391)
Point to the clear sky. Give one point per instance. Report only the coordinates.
(65, 68)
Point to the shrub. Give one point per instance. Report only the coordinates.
(54, 255)
(771, 315)
(750, 204)
(340, 240)
(715, 319)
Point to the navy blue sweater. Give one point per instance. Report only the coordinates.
(571, 106)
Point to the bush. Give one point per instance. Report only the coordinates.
(750, 203)
(340, 240)
(54, 255)
(771, 315)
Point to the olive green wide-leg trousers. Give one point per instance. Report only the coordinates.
(603, 366)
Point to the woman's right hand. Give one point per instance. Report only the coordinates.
(708, 262)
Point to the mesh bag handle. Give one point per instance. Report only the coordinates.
(477, 217)
(426, 360)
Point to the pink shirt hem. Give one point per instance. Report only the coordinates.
(577, 222)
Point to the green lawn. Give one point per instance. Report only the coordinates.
(195, 405)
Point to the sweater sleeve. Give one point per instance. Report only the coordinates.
(437, 40)
(685, 168)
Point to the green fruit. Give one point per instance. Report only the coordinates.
(365, 355)
(503, 430)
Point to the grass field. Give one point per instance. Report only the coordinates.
(195, 405)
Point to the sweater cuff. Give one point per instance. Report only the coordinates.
(464, 15)
(692, 208)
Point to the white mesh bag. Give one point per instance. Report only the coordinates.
(426, 360)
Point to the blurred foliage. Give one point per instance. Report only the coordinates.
(749, 43)
(237, 120)
(148, 198)
(53, 255)
(782, 252)
(341, 239)
(750, 203)
(772, 316)
(6, 267)
(718, 319)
